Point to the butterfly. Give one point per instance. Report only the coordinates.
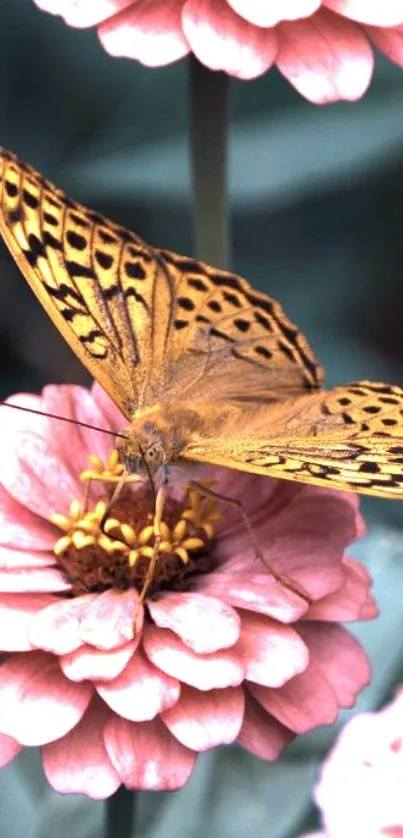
(204, 368)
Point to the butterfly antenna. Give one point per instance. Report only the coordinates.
(61, 419)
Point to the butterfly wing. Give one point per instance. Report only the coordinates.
(101, 285)
(231, 341)
(348, 438)
(147, 324)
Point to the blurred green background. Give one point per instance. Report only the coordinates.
(316, 219)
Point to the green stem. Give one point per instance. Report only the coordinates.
(208, 111)
(119, 814)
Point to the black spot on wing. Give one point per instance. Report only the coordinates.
(29, 199)
(36, 249)
(11, 189)
(76, 241)
(134, 270)
(50, 219)
(76, 269)
(197, 284)
(104, 260)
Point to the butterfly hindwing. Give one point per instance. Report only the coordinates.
(348, 438)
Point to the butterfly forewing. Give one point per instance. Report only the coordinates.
(100, 283)
(142, 320)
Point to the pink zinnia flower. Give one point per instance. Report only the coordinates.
(360, 787)
(117, 691)
(323, 47)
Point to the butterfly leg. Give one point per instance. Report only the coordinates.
(115, 494)
(158, 512)
(234, 502)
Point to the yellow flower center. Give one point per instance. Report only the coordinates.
(96, 556)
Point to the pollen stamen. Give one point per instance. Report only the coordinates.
(119, 552)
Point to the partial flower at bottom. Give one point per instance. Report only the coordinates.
(323, 47)
(359, 791)
(224, 648)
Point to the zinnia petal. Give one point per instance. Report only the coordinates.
(87, 663)
(203, 721)
(33, 579)
(9, 748)
(388, 41)
(148, 30)
(79, 763)
(16, 612)
(203, 623)
(141, 691)
(109, 619)
(263, 644)
(385, 13)
(301, 703)
(147, 756)
(325, 57)
(262, 734)
(205, 672)
(222, 41)
(83, 13)
(350, 602)
(345, 670)
(20, 528)
(270, 13)
(48, 704)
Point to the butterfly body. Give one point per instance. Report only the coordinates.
(203, 367)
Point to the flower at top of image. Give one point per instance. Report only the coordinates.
(123, 671)
(323, 47)
(359, 791)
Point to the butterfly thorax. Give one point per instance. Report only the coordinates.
(157, 436)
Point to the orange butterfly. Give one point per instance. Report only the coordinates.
(203, 367)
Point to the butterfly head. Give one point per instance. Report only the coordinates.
(141, 449)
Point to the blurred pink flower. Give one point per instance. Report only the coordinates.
(222, 651)
(360, 786)
(323, 47)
